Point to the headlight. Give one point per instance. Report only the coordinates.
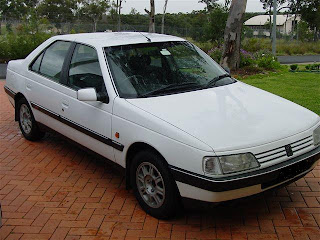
(316, 136)
(229, 164)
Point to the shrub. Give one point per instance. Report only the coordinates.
(17, 46)
(256, 44)
(294, 67)
(266, 60)
(260, 60)
(315, 66)
(246, 59)
(215, 53)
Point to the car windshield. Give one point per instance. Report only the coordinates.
(155, 69)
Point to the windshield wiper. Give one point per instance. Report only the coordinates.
(213, 82)
(170, 87)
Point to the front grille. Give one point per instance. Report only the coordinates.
(280, 152)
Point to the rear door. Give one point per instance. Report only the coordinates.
(43, 84)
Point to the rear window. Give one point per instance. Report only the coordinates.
(50, 62)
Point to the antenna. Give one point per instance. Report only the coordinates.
(148, 39)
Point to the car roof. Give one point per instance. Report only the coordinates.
(106, 39)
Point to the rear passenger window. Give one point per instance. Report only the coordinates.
(85, 69)
(52, 62)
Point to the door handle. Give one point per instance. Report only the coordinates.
(65, 104)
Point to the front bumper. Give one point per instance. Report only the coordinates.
(211, 189)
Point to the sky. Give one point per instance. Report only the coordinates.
(175, 6)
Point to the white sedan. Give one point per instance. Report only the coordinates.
(166, 112)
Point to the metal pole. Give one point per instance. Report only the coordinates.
(274, 28)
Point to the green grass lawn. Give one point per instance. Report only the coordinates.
(301, 88)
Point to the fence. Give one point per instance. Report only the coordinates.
(81, 27)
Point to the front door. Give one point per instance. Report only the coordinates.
(89, 122)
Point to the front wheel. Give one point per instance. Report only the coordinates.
(27, 123)
(153, 185)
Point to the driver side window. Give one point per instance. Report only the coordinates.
(85, 69)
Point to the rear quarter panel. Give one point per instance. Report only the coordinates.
(14, 79)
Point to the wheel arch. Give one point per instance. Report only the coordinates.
(17, 98)
(132, 151)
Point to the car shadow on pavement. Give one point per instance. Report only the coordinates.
(252, 205)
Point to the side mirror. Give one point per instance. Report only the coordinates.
(103, 97)
(87, 94)
(90, 94)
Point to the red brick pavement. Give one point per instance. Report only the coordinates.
(53, 189)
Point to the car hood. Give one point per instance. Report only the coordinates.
(230, 117)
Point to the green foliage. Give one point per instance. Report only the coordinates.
(315, 67)
(94, 9)
(18, 46)
(197, 29)
(256, 44)
(16, 8)
(294, 67)
(29, 35)
(266, 60)
(211, 4)
(304, 32)
(246, 59)
(246, 32)
(58, 11)
(262, 59)
(215, 53)
(310, 12)
(214, 29)
(205, 46)
(284, 47)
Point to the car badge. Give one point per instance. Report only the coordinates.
(288, 150)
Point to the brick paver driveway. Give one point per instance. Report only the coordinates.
(53, 189)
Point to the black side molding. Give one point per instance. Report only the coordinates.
(267, 177)
(80, 128)
(9, 92)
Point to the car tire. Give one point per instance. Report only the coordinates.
(27, 123)
(154, 186)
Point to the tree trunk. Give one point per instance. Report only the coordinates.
(152, 27)
(94, 25)
(119, 3)
(232, 35)
(270, 24)
(163, 16)
(294, 27)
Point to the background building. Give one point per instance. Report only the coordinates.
(261, 24)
